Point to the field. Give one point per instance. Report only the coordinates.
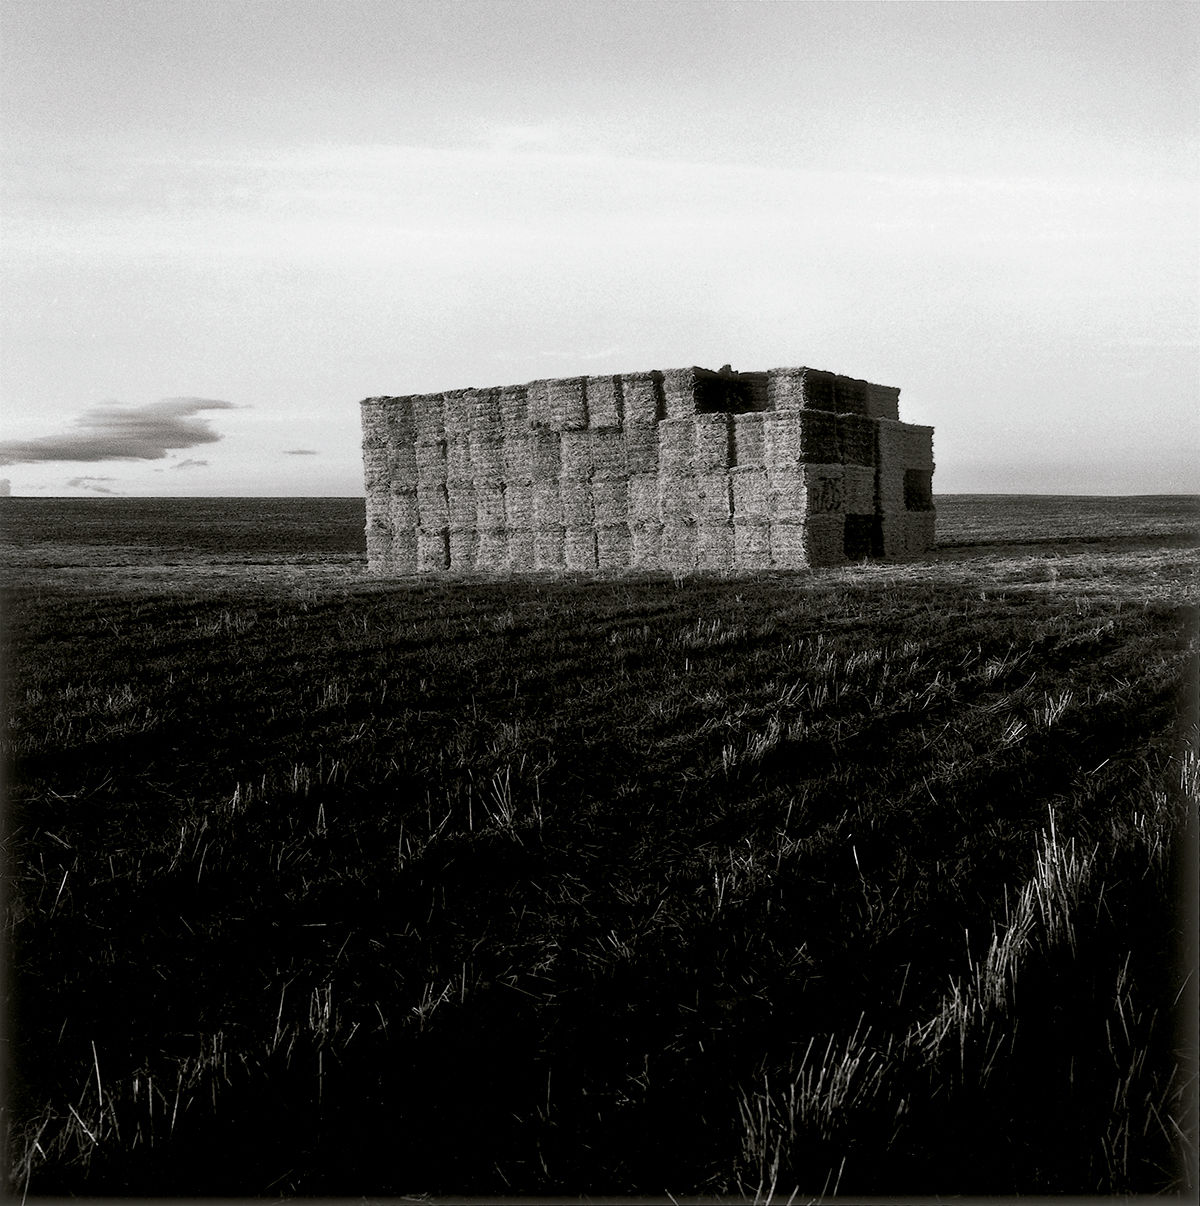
(867, 881)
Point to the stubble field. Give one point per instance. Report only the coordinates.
(871, 880)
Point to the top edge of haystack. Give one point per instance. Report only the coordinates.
(676, 374)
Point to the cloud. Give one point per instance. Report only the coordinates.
(300, 452)
(90, 483)
(5, 487)
(189, 464)
(122, 433)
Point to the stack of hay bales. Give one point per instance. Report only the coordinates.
(433, 508)
(377, 478)
(904, 488)
(713, 455)
(805, 488)
(750, 492)
(643, 405)
(856, 451)
(800, 389)
(683, 469)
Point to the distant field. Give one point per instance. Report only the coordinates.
(877, 879)
(174, 530)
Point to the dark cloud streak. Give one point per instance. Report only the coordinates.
(300, 452)
(122, 433)
(89, 483)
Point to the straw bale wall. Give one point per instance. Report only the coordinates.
(682, 469)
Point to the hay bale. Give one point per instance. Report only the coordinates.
(518, 505)
(428, 418)
(749, 450)
(456, 414)
(643, 399)
(458, 461)
(608, 454)
(521, 555)
(379, 541)
(579, 548)
(487, 457)
(647, 545)
(751, 546)
(677, 498)
(463, 513)
(577, 454)
(547, 505)
(517, 457)
(679, 392)
(824, 488)
(678, 550)
(568, 403)
(889, 491)
(492, 554)
(787, 500)
(549, 549)
(795, 493)
(920, 532)
(824, 537)
(749, 492)
(918, 490)
(464, 548)
(431, 463)
(485, 413)
(883, 401)
(402, 559)
(433, 550)
(858, 491)
(641, 448)
(904, 445)
(537, 400)
(714, 546)
(433, 508)
(576, 495)
(714, 497)
(713, 447)
(676, 446)
(850, 396)
(610, 502)
(643, 498)
(398, 415)
(605, 407)
(401, 470)
(907, 534)
(376, 460)
(816, 541)
(856, 440)
(489, 504)
(545, 451)
(800, 389)
(793, 437)
(614, 548)
(403, 510)
(514, 410)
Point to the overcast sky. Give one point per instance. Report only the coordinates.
(225, 223)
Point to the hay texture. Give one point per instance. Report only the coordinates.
(682, 469)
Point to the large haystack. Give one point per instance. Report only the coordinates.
(686, 469)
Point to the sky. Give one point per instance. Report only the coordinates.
(225, 223)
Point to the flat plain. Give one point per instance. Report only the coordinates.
(870, 880)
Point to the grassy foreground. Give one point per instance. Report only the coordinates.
(872, 880)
